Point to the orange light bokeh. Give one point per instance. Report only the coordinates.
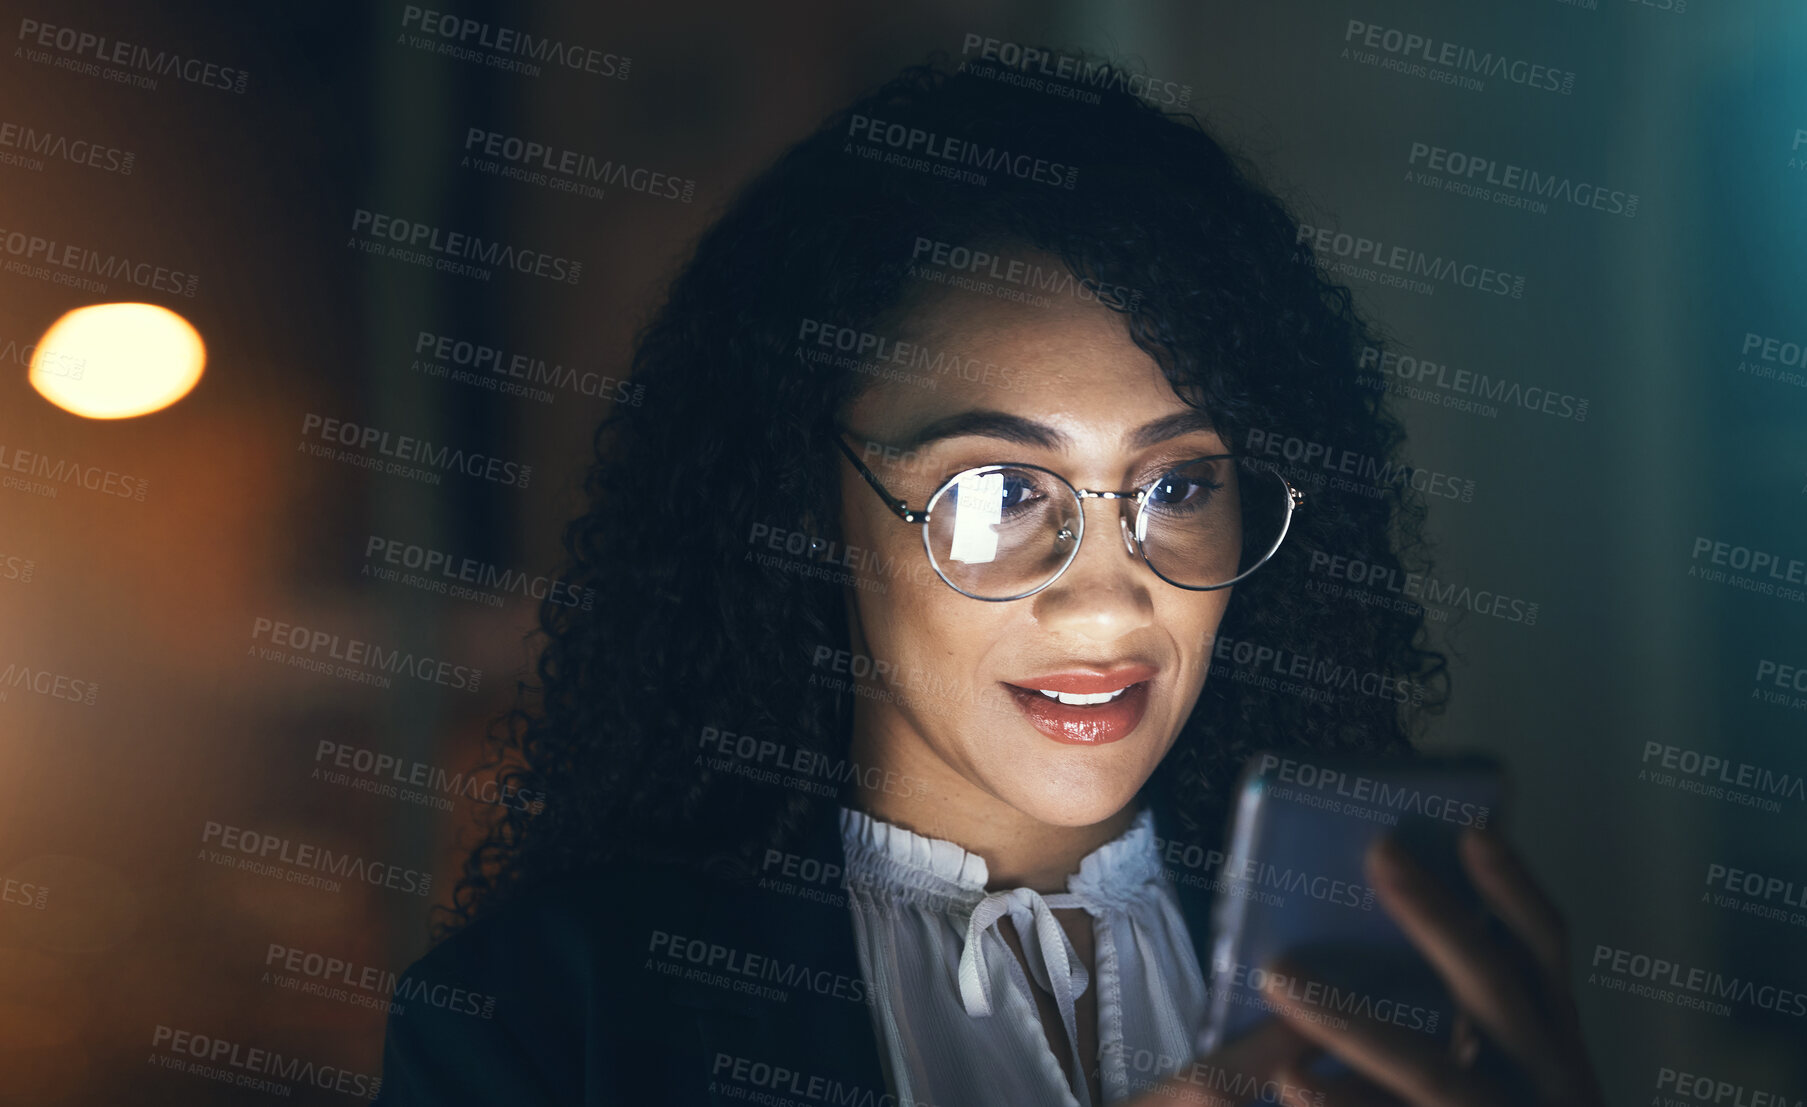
(117, 361)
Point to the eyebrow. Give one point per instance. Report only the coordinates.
(1001, 425)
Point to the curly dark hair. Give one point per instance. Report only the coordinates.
(688, 632)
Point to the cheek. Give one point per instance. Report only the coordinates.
(902, 604)
(1194, 624)
(934, 642)
(926, 628)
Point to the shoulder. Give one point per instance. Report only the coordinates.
(541, 997)
(563, 932)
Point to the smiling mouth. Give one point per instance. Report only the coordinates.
(1082, 699)
(1086, 709)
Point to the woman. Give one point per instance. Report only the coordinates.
(871, 671)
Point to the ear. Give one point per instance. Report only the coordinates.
(811, 526)
(819, 519)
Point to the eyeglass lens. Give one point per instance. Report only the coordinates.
(1001, 531)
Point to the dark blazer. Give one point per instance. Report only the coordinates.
(592, 994)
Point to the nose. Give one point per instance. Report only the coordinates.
(1104, 593)
(1129, 539)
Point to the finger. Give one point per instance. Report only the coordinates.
(1514, 895)
(1509, 889)
(1464, 1039)
(1403, 1062)
(1480, 975)
(1299, 1087)
(1271, 1044)
(1247, 1062)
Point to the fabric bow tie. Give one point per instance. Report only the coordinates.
(1058, 961)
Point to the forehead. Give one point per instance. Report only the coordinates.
(1066, 362)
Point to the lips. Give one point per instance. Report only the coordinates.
(1087, 722)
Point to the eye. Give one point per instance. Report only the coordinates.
(1020, 490)
(1184, 490)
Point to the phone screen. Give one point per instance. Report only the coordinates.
(1293, 883)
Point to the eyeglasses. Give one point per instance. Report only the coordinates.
(1006, 531)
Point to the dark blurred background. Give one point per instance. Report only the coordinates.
(144, 719)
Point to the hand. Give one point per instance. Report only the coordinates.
(1514, 993)
(1245, 1070)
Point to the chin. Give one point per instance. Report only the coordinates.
(1073, 807)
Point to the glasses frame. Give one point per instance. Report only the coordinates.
(1132, 533)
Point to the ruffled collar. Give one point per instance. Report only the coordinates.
(884, 856)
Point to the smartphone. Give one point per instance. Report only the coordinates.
(1293, 883)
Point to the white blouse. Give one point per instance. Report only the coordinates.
(957, 1024)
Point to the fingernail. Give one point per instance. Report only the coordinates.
(1488, 845)
(1393, 865)
(1279, 970)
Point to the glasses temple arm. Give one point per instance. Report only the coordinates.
(897, 506)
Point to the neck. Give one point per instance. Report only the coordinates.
(903, 782)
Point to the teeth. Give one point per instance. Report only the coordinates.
(1080, 699)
